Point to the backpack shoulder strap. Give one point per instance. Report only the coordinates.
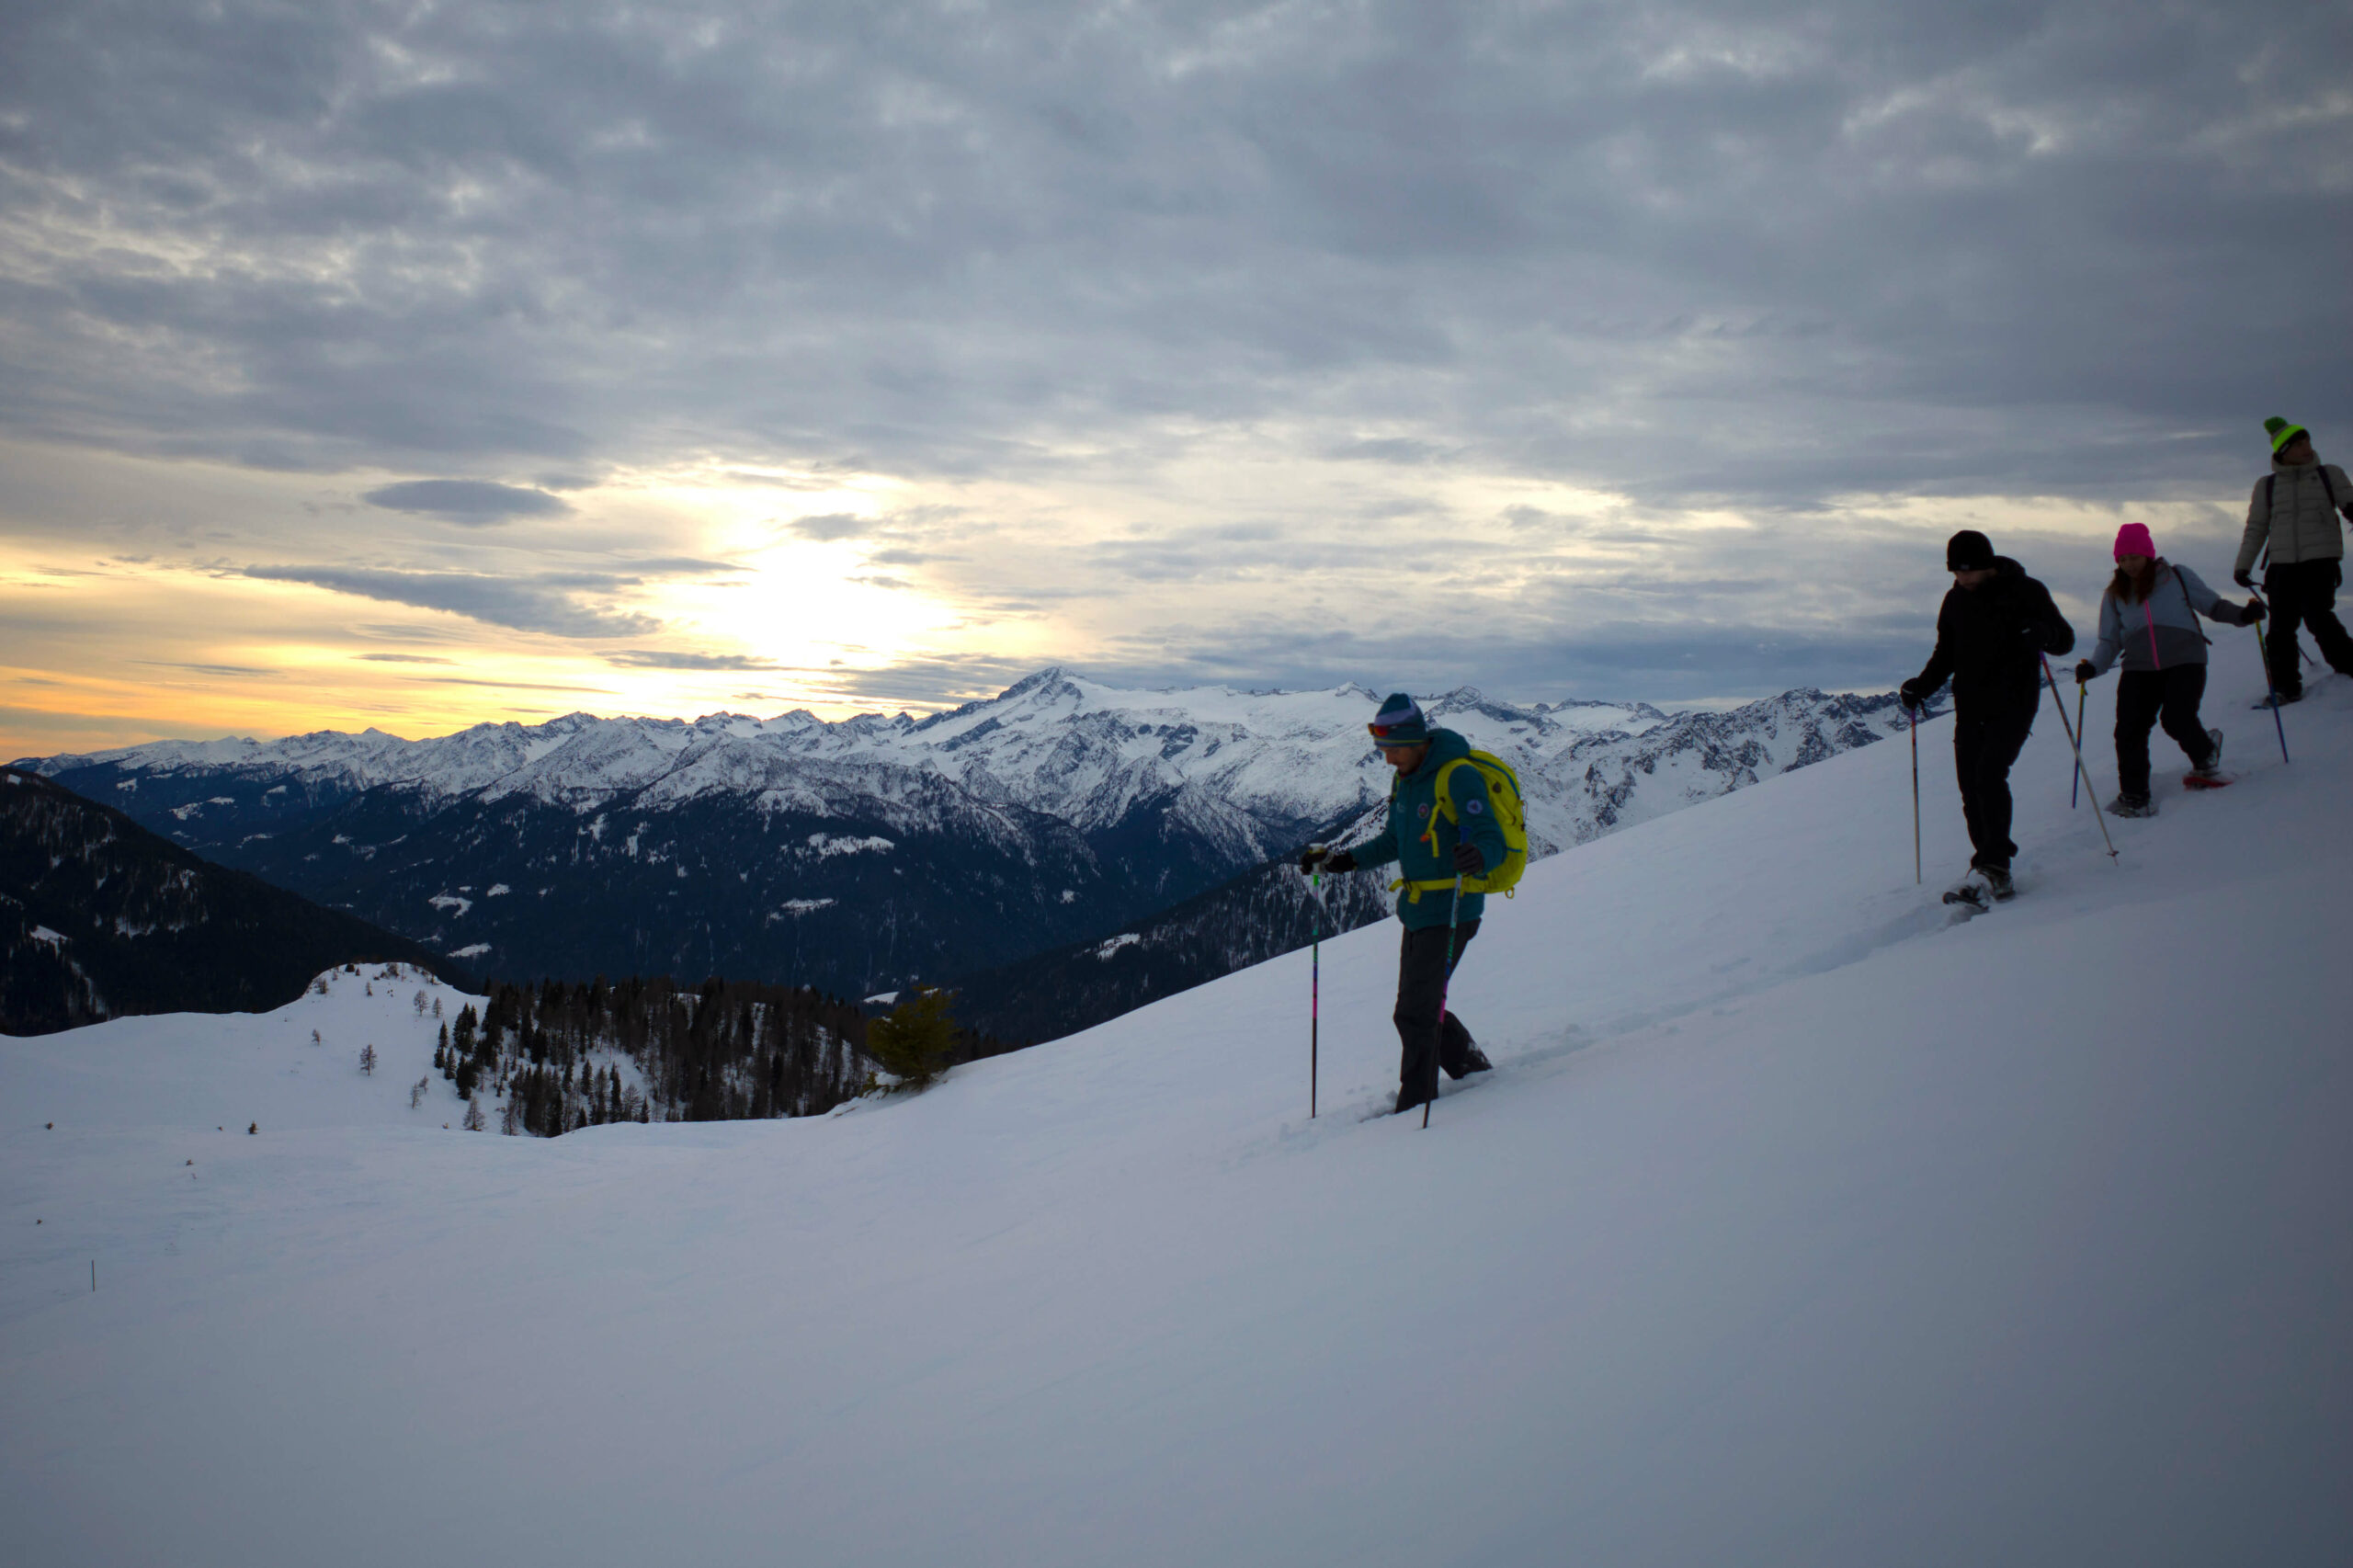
(2328, 487)
(1444, 799)
(2182, 584)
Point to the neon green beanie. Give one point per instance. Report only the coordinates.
(2283, 432)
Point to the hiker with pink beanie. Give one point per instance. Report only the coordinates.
(2148, 618)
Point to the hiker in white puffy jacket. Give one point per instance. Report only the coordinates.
(2148, 618)
(2291, 522)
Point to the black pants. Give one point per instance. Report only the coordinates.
(2141, 697)
(2304, 594)
(1984, 746)
(1422, 973)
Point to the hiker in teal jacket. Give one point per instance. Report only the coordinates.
(1430, 852)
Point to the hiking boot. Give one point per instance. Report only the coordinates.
(2213, 766)
(1997, 882)
(2281, 700)
(2132, 806)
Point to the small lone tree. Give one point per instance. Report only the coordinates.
(314, 1037)
(916, 1042)
(417, 1091)
(368, 1059)
(474, 1122)
(420, 1001)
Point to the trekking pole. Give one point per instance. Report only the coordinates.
(2264, 647)
(2076, 747)
(1315, 987)
(2076, 780)
(1453, 913)
(1915, 793)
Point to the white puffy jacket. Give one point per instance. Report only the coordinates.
(2290, 511)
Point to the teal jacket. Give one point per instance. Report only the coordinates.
(1419, 854)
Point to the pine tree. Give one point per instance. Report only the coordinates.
(916, 1042)
(368, 1059)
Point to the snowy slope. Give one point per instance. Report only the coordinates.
(1797, 1226)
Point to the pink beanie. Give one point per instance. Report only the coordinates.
(2133, 539)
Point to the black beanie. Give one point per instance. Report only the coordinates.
(1967, 551)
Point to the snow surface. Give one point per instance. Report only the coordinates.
(1799, 1225)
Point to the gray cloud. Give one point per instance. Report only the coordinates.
(547, 601)
(1761, 249)
(469, 501)
(657, 659)
(831, 525)
(239, 670)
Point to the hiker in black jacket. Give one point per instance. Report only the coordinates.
(1996, 625)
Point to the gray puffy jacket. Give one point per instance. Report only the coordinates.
(2161, 631)
(2292, 512)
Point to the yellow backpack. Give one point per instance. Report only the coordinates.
(1511, 816)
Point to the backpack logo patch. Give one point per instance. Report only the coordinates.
(1473, 806)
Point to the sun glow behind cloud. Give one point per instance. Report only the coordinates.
(716, 586)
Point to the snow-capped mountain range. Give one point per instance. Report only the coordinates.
(859, 854)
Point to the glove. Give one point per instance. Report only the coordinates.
(1339, 860)
(1314, 855)
(1908, 693)
(2084, 671)
(1469, 861)
(2255, 610)
(2244, 579)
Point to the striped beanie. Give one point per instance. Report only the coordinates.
(2281, 432)
(1400, 722)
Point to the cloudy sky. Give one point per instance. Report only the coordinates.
(416, 364)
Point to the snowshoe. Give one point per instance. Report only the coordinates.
(1972, 891)
(2196, 780)
(2132, 806)
(2213, 766)
(2277, 700)
(1474, 1061)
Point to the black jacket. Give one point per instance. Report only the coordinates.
(1990, 640)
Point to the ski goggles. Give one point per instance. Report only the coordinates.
(1386, 734)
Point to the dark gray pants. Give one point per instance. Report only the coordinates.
(1427, 1043)
(1984, 746)
(2142, 699)
(2303, 593)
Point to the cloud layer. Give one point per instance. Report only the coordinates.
(1182, 329)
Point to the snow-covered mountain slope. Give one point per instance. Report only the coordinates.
(1058, 812)
(100, 919)
(1797, 1225)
